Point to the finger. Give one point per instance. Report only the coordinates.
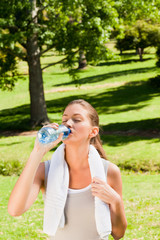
(54, 143)
(101, 197)
(59, 139)
(99, 188)
(99, 193)
(97, 180)
(51, 145)
(52, 125)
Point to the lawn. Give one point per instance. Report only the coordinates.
(127, 105)
(141, 193)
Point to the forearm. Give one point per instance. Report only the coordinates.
(119, 222)
(22, 189)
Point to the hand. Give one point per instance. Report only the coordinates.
(104, 191)
(44, 148)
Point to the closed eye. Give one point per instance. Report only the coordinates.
(77, 120)
(64, 121)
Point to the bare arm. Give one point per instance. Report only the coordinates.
(111, 193)
(31, 180)
(28, 185)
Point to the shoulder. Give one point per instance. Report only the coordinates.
(114, 177)
(110, 168)
(113, 170)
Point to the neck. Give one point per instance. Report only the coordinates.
(77, 156)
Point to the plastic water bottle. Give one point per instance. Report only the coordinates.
(48, 134)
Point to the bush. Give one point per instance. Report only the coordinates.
(11, 168)
(139, 36)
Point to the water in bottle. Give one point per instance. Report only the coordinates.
(48, 134)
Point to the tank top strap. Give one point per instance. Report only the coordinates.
(105, 164)
(47, 166)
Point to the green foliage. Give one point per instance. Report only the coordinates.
(135, 17)
(131, 11)
(140, 35)
(8, 71)
(14, 16)
(127, 106)
(67, 26)
(128, 40)
(82, 26)
(8, 168)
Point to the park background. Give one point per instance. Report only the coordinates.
(120, 79)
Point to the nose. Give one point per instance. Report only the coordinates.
(69, 123)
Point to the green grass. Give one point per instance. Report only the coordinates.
(128, 152)
(133, 153)
(142, 206)
(125, 103)
(27, 226)
(141, 200)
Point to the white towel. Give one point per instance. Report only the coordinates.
(57, 189)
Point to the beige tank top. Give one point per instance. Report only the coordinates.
(79, 213)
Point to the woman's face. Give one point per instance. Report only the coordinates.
(76, 118)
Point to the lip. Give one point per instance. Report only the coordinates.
(71, 130)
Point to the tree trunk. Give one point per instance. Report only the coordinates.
(82, 60)
(140, 52)
(37, 100)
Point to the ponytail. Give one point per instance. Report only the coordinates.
(96, 142)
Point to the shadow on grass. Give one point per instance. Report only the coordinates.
(128, 96)
(110, 63)
(132, 96)
(119, 140)
(115, 134)
(10, 144)
(103, 77)
(17, 118)
(143, 125)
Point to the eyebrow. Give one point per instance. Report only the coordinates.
(73, 114)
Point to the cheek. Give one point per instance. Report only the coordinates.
(83, 128)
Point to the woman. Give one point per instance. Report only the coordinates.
(83, 121)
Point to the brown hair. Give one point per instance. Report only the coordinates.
(94, 119)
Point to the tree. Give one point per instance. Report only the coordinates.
(30, 28)
(135, 17)
(128, 40)
(139, 36)
(131, 11)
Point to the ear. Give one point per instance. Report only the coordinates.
(94, 132)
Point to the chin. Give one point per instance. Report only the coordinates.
(70, 141)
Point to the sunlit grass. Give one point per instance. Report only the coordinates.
(121, 94)
(141, 200)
